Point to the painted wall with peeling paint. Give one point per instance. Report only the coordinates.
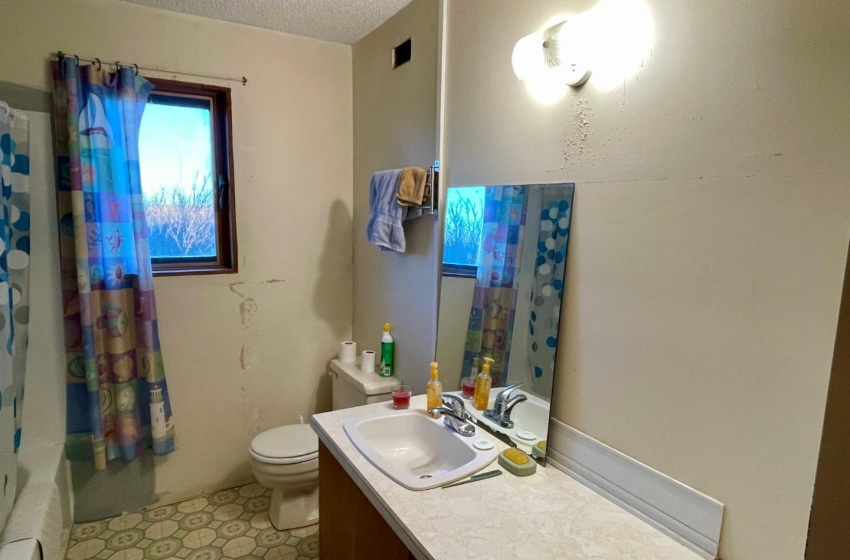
(709, 235)
(395, 125)
(243, 352)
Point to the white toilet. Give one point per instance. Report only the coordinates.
(286, 458)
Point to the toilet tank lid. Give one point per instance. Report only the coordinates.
(367, 382)
(295, 440)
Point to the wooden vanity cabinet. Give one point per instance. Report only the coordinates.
(350, 528)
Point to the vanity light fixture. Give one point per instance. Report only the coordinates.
(555, 53)
(614, 38)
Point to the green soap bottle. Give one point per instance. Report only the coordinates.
(387, 351)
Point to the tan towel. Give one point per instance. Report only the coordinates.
(411, 186)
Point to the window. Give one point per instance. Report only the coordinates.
(187, 178)
(464, 222)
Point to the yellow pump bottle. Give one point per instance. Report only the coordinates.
(434, 390)
(482, 386)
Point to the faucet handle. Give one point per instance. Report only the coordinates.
(455, 420)
(455, 403)
(505, 393)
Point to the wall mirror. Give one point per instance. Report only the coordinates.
(504, 261)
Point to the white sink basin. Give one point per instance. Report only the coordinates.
(417, 451)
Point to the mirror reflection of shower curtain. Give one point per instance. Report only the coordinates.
(491, 317)
(548, 286)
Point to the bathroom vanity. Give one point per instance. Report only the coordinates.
(351, 527)
(549, 515)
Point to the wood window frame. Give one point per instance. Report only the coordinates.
(226, 260)
(460, 270)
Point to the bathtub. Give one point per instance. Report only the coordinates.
(40, 523)
(26, 549)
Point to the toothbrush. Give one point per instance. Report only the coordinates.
(474, 478)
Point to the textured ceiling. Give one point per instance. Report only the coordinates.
(341, 21)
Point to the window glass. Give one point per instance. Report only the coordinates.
(464, 222)
(176, 156)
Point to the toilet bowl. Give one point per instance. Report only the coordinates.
(286, 459)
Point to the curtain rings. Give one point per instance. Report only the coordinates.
(136, 68)
(78, 59)
(99, 65)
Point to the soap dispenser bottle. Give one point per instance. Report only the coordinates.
(434, 390)
(482, 386)
(387, 351)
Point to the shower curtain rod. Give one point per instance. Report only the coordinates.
(60, 55)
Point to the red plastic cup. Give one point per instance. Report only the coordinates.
(468, 386)
(401, 397)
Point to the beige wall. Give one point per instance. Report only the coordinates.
(243, 352)
(395, 125)
(44, 399)
(455, 302)
(709, 237)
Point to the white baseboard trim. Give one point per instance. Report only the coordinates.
(690, 517)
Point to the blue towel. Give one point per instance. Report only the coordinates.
(384, 228)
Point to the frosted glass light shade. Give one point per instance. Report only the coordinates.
(555, 51)
(570, 48)
(527, 59)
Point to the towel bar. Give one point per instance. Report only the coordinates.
(432, 190)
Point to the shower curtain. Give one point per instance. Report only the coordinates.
(491, 318)
(117, 395)
(14, 293)
(548, 286)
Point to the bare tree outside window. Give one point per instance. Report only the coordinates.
(181, 222)
(464, 222)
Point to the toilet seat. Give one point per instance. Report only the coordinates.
(286, 445)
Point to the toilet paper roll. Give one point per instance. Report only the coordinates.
(348, 352)
(367, 361)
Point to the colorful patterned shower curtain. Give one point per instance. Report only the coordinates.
(14, 292)
(491, 318)
(548, 287)
(117, 396)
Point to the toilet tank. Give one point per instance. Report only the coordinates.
(353, 387)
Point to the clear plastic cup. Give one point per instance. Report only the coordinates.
(401, 397)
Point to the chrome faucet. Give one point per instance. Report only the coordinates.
(455, 415)
(504, 405)
(457, 404)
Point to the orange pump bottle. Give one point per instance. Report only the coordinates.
(434, 390)
(482, 386)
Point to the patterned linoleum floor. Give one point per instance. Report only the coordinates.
(229, 524)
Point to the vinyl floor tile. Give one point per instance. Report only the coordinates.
(229, 524)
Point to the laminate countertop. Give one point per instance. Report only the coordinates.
(548, 515)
